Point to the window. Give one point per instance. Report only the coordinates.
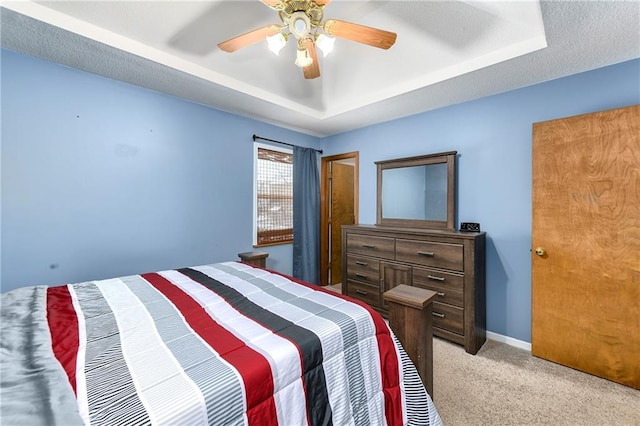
(273, 201)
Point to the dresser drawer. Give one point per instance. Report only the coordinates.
(448, 317)
(434, 277)
(368, 245)
(445, 295)
(448, 286)
(363, 269)
(437, 255)
(366, 293)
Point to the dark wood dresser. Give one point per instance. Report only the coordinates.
(377, 258)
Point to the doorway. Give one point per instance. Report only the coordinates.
(586, 239)
(338, 206)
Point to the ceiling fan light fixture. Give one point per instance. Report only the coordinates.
(303, 59)
(325, 43)
(276, 42)
(299, 24)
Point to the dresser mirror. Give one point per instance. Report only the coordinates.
(417, 191)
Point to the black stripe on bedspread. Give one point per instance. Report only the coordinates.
(317, 398)
(349, 335)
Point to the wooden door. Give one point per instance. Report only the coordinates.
(342, 213)
(338, 206)
(586, 227)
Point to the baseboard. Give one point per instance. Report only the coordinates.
(509, 341)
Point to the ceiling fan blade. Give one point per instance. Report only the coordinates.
(360, 33)
(313, 70)
(271, 3)
(246, 39)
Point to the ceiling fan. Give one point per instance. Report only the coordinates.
(304, 20)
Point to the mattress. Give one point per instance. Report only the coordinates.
(219, 344)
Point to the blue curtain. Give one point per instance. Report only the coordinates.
(306, 215)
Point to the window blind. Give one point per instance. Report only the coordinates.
(274, 189)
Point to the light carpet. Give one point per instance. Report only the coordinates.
(504, 385)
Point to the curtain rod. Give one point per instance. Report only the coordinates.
(283, 143)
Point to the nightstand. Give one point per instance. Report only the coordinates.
(255, 258)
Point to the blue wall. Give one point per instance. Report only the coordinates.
(493, 139)
(102, 179)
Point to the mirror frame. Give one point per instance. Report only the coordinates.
(449, 158)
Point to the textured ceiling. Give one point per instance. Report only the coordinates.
(447, 52)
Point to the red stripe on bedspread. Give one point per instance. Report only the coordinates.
(252, 366)
(63, 325)
(389, 362)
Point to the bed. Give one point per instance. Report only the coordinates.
(219, 344)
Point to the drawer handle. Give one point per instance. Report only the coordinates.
(368, 246)
(437, 314)
(433, 277)
(358, 262)
(361, 276)
(361, 292)
(441, 294)
(427, 253)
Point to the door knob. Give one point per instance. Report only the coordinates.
(540, 251)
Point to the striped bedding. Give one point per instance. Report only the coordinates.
(220, 344)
